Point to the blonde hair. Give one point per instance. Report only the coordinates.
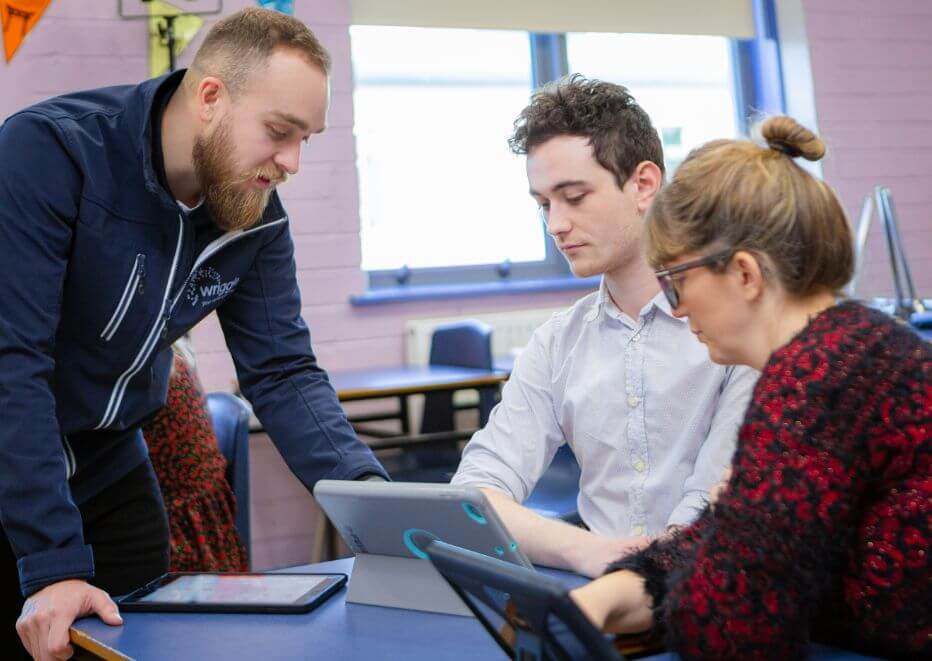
(240, 43)
(737, 195)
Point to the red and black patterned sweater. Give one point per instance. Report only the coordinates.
(823, 530)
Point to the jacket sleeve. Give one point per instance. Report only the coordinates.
(39, 193)
(278, 373)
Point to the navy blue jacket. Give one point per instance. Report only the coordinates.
(98, 276)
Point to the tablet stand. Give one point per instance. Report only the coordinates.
(410, 583)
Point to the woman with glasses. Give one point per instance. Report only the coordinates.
(822, 529)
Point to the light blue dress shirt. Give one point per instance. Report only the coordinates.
(652, 421)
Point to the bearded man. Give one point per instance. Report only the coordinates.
(127, 214)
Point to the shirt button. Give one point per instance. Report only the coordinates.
(633, 401)
(635, 339)
(638, 530)
(640, 466)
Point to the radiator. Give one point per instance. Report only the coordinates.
(510, 331)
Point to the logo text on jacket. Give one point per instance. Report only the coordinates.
(206, 287)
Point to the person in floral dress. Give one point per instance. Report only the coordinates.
(192, 476)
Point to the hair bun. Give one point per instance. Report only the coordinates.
(786, 135)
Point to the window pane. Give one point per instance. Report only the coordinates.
(433, 112)
(685, 83)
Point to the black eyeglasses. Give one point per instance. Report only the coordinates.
(668, 284)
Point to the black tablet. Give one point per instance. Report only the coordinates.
(234, 593)
(530, 615)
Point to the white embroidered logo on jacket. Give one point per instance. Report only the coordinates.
(206, 287)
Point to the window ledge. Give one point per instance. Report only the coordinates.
(434, 292)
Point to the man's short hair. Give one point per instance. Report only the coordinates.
(620, 132)
(242, 42)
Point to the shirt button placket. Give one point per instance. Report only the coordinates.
(639, 448)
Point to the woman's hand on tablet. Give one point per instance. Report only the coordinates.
(616, 603)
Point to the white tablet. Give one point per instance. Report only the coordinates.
(401, 518)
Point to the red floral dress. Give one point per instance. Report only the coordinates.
(191, 471)
(823, 529)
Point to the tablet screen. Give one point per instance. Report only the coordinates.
(266, 589)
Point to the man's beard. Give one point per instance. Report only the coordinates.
(232, 202)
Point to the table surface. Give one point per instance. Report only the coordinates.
(396, 381)
(335, 630)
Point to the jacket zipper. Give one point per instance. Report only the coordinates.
(71, 464)
(119, 388)
(161, 325)
(133, 286)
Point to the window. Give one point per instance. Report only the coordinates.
(442, 199)
(439, 187)
(685, 83)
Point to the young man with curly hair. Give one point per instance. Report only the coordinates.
(625, 383)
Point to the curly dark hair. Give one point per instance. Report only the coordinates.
(618, 129)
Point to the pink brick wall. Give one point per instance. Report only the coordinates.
(872, 70)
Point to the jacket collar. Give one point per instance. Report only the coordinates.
(143, 118)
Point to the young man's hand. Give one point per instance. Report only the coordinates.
(49, 613)
(592, 559)
(716, 491)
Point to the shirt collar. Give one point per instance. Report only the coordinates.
(600, 303)
(602, 306)
(660, 302)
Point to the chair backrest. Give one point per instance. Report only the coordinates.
(230, 417)
(465, 343)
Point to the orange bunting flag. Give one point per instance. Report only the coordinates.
(19, 17)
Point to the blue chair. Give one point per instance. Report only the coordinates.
(558, 488)
(230, 417)
(461, 344)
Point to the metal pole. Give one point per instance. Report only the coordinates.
(906, 292)
(860, 242)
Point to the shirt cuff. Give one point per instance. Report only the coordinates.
(38, 570)
(484, 482)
